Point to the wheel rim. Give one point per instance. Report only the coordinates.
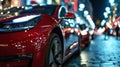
(55, 57)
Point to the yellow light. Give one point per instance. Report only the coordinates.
(11, 5)
(18, 7)
(1, 12)
(8, 12)
(16, 13)
(0, 7)
(58, 1)
(16, 3)
(23, 6)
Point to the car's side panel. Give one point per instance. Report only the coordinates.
(70, 37)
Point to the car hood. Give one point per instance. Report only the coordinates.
(20, 18)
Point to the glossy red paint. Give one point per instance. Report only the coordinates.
(85, 41)
(33, 41)
(28, 47)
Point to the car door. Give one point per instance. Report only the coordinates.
(70, 35)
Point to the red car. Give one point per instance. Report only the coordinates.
(34, 36)
(85, 36)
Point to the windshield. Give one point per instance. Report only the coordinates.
(16, 11)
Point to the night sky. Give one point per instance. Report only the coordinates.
(98, 8)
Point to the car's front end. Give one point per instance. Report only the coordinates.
(24, 34)
(20, 42)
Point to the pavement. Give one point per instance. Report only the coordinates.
(100, 53)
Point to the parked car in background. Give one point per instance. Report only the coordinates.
(83, 26)
(35, 36)
(78, 26)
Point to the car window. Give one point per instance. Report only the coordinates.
(62, 12)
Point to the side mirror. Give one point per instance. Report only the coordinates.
(70, 15)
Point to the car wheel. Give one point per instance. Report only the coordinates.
(54, 55)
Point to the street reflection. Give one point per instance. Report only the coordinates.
(100, 53)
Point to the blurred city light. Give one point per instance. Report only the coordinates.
(81, 6)
(86, 13)
(107, 9)
(103, 22)
(49, 1)
(78, 19)
(100, 30)
(108, 24)
(105, 14)
(28, 2)
(111, 1)
(41, 2)
(92, 25)
(1, 13)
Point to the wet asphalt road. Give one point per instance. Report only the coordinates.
(100, 53)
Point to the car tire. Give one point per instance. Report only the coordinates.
(54, 54)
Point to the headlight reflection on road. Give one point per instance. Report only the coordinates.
(84, 57)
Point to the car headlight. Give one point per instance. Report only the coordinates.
(18, 24)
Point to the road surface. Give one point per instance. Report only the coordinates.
(100, 53)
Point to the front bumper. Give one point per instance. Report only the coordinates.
(16, 61)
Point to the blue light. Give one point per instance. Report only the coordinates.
(105, 14)
(86, 13)
(107, 9)
(28, 2)
(103, 22)
(111, 1)
(81, 6)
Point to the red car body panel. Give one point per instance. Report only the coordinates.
(27, 42)
(28, 47)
